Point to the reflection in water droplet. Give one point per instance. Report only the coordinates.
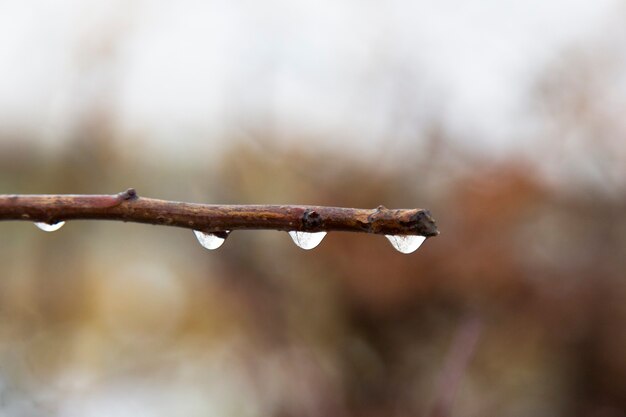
(307, 240)
(406, 243)
(211, 241)
(47, 227)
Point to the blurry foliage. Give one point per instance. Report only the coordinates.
(351, 328)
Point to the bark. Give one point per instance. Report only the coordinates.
(127, 206)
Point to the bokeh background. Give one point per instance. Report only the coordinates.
(506, 119)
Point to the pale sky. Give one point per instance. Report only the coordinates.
(187, 72)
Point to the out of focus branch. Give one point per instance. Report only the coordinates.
(127, 206)
(457, 360)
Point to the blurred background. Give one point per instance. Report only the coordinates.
(505, 119)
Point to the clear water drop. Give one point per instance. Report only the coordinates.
(47, 227)
(406, 243)
(211, 241)
(306, 240)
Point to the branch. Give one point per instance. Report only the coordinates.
(127, 206)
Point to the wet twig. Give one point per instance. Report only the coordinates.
(127, 206)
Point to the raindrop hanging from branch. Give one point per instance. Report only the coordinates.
(47, 227)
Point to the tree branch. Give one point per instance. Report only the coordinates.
(127, 206)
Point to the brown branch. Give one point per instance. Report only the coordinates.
(129, 207)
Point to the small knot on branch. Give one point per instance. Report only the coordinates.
(129, 194)
(379, 212)
(311, 219)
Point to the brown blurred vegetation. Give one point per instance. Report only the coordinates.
(122, 319)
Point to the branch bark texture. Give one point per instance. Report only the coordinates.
(127, 206)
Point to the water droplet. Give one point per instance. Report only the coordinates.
(47, 227)
(406, 243)
(307, 240)
(211, 241)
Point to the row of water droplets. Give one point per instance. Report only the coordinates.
(304, 240)
(307, 240)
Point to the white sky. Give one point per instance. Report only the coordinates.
(189, 71)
